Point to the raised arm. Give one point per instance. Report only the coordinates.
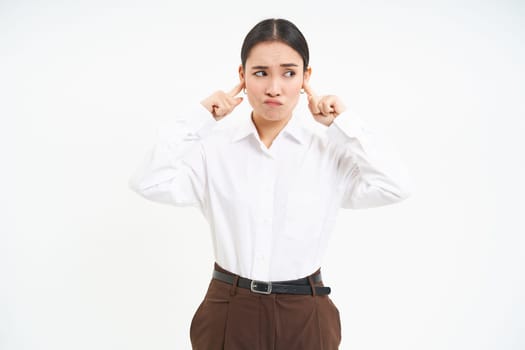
(173, 170)
(370, 173)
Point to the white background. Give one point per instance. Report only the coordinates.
(87, 264)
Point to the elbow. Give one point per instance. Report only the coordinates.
(406, 190)
(134, 184)
(152, 191)
(137, 185)
(403, 193)
(377, 196)
(391, 196)
(398, 193)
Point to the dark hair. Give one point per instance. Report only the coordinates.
(276, 29)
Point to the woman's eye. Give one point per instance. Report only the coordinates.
(289, 73)
(260, 73)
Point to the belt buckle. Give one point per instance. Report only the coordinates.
(255, 284)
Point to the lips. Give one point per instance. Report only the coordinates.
(271, 102)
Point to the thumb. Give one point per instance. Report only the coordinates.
(238, 101)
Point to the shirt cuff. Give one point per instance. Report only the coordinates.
(345, 127)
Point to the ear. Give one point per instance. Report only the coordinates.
(241, 74)
(307, 74)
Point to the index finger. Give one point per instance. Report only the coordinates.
(233, 92)
(307, 88)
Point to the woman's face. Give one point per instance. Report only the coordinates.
(273, 78)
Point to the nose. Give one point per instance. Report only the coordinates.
(273, 89)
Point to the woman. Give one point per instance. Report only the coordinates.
(270, 190)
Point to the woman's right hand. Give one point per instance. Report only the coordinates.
(220, 103)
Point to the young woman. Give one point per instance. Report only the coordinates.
(270, 189)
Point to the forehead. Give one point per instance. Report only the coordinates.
(273, 53)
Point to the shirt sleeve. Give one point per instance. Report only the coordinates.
(370, 173)
(173, 169)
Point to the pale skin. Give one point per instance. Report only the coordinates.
(273, 78)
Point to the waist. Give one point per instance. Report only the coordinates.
(302, 286)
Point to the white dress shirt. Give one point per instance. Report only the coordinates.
(271, 210)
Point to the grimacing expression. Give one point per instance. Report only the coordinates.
(273, 79)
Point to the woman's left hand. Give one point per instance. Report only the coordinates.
(324, 109)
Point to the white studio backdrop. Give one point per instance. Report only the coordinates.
(88, 264)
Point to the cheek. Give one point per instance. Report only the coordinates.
(254, 86)
(294, 92)
(295, 87)
(251, 99)
(294, 100)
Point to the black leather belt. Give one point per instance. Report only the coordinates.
(299, 286)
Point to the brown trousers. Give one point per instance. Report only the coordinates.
(233, 318)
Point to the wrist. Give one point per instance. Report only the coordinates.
(326, 121)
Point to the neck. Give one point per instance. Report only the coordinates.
(268, 129)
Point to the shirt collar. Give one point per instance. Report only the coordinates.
(292, 128)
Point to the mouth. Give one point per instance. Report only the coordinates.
(272, 103)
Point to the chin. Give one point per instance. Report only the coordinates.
(274, 118)
(274, 115)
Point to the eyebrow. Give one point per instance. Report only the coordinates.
(286, 65)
